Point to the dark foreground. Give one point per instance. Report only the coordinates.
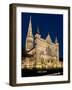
(39, 72)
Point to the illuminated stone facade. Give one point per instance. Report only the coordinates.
(44, 53)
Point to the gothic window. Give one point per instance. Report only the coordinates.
(48, 61)
(51, 61)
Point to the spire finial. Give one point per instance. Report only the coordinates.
(30, 18)
(48, 39)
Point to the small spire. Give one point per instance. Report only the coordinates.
(38, 30)
(56, 41)
(48, 39)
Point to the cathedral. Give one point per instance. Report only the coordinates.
(42, 53)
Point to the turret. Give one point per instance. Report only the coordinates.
(29, 39)
(37, 34)
(48, 39)
(56, 41)
(57, 48)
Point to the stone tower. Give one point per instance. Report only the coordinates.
(29, 39)
(37, 36)
(57, 48)
(37, 39)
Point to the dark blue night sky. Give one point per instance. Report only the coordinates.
(52, 23)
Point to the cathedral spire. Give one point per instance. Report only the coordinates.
(30, 29)
(29, 39)
(48, 39)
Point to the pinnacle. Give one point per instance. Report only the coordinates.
(56, 41)
(38, 30)
(48, 39)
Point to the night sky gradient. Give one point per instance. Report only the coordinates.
(52, 23)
